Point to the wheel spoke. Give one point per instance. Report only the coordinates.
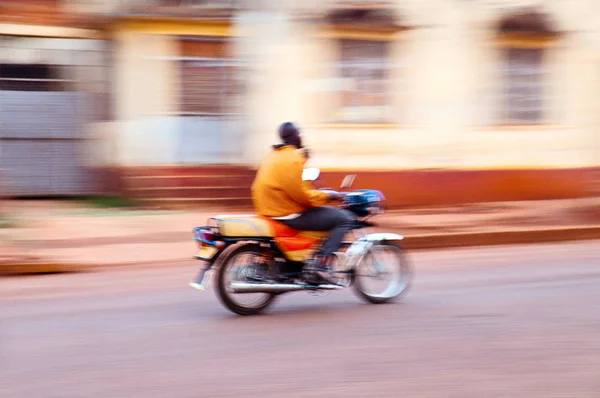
(384, 265)
(244, 266)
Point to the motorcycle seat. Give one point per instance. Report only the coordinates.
(252, 225)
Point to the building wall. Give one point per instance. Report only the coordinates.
(149, 125)
(146, 99)
(446, 85)
(447, 82)
(446, 79)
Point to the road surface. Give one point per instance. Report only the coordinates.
(495, 322)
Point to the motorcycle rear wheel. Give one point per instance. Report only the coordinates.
(401, 274)
(228, 298)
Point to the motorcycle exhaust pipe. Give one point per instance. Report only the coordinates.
(242, 287)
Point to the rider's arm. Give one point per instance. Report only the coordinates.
(302, 192)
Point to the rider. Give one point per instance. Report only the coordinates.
(278, 192)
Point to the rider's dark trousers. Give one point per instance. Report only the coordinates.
(338, 221)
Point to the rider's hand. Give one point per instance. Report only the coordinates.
(333, 195)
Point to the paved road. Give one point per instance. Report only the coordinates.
(501, 322)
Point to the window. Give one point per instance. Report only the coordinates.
(29, 77)
(203, 83)
(364, 71)
(209, 78)
(523, 94)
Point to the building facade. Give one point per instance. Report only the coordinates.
(436, 100)
(432, 101)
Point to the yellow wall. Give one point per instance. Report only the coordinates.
(146, 99)
(446, 81)
(146, 82)
(447, 106)
(148, 126)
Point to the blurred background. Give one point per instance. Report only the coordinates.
(126, 123)
(177, 101)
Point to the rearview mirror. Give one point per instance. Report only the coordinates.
(310, 174)
(348, 181)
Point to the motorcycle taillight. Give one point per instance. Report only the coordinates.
(208, 236)
(204, 235)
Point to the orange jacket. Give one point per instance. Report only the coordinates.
(278, 189)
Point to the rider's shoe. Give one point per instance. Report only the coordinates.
(317, 271)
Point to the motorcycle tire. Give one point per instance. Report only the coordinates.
(225, 296)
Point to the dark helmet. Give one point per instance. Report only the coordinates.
(290, 134)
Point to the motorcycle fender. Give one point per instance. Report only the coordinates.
(201, 280)
(216, 264)
(360, 248)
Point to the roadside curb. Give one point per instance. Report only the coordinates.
(495, 238)
(22, 268)
(415, 242)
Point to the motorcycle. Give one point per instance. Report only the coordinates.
(261, 258)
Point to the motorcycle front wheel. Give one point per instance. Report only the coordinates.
(384, 264)
(236, 266)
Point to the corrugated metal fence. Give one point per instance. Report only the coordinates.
(50, 90)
